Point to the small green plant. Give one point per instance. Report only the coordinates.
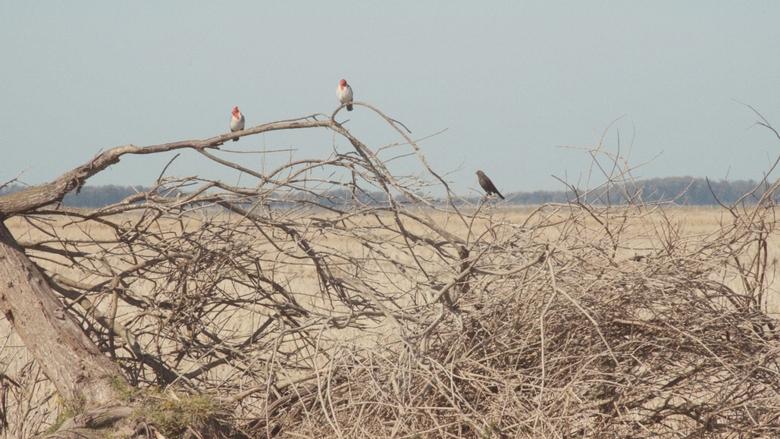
(172, 414)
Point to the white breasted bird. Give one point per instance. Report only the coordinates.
(236, 121)
(344, 93)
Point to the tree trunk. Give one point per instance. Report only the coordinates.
(83, 376)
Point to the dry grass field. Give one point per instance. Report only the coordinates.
(644, 235)
(559, 319)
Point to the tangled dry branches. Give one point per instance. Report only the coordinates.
(333, 298)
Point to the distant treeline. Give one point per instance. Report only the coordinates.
(90, 196)
(680, 190)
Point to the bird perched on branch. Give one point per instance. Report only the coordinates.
(344, 93)
(236, 121)
(487, 184)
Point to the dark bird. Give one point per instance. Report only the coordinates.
(487, 185)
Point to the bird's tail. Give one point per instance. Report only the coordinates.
(349, 107)
(499, 194)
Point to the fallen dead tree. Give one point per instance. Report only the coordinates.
(217, 313)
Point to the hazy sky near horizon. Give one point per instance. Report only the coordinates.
(512, 82)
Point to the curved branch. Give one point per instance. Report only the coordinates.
(37, 196)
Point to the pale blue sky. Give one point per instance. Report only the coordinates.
(512, 81)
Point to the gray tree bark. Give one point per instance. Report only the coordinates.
(83, 376)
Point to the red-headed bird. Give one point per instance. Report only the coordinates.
(236, 121)
(344, 93)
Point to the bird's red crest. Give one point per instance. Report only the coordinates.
(236, 111)
(343, 83)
